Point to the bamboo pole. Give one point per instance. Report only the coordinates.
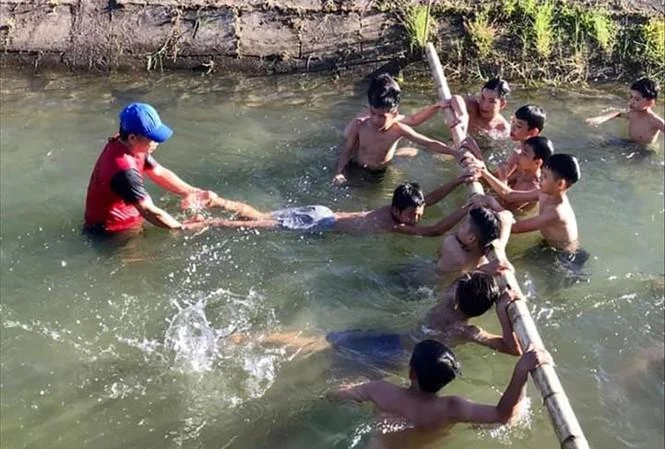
(563, 418)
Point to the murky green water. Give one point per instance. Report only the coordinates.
(108, 349)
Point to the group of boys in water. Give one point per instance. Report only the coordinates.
(533, 175)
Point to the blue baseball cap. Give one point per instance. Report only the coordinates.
(143, 119)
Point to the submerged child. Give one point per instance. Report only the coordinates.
(432, 367)
(644, 124)
(371, 141)
(470, 296)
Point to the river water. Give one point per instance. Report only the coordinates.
(110, 347)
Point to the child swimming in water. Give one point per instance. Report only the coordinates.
(371, 141)
(644, 124)
(432, 367)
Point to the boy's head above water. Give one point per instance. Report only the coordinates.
(475, 293)
(643, 94)
(528, 121)
(141, 128)
(492, 97)
(481, 227)
(560, 172)
(535, 152)
(384, 96)
(408, 203)
(433, 366)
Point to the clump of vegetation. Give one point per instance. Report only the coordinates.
(419, 25)
(603, 29)
(654, 37)
(542, 27)
(482, 33)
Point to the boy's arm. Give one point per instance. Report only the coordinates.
(434, 230)
(508, 337)
(507, 167)
(345, 157)
(437, 195)
(482, 337)
(432, 145)
(535, 223)
(595, 121)
(658, 123)
(504, 191)
(463, 410)
(421, 116)
(222, 223)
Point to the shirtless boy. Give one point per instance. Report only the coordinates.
(470, 296)
(644, 124)
(526, 173)
(556, 218)
(407, 208)
(460, 251)
(371, 141)
(482, 113)
(432, 367)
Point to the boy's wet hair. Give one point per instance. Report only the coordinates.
(499, 85)
(485, 225)
(533, 115)
(408, 195)
(647, 87)
(476, 292)
(564, 166)
(384, 92)
(434, 365)
(542, 147)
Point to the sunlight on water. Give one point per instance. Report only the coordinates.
(135, 345)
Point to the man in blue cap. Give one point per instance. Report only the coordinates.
(116, 199)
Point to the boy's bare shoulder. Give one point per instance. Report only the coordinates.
(656, 119)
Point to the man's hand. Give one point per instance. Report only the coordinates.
(339, 180)
(532, 359)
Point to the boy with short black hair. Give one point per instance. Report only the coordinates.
(482, 113)
(432, 367)
(470, 296)
(556, 218)
(371, 141)
(406, 209)
(644, 124)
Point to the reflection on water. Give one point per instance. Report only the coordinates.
(126, 344)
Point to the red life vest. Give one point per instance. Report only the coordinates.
(105, 209)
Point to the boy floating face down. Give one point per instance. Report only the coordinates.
(463, 250)
(371, 140)
(644, 125)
